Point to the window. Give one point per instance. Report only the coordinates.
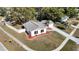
(22, 27)
(42, 30)
(36, 32)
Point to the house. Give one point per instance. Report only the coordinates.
(34, 28)
(48, 23)
(64, 19)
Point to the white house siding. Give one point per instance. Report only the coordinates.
(32, 33)
(50, 25)
(39, 32)
(44, 30)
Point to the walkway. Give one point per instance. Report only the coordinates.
(2, 47)
(67, 39)
(66, 34)
(16, 40)
(74, 26)
(16, 30)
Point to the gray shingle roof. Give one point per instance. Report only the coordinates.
(31, 25)
(64, 18)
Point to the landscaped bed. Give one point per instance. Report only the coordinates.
(70, 46)
(9, 43)
(76, 34)
(44, 42)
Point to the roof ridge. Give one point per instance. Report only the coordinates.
(34, 23)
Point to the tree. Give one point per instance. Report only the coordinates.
(49, 13)
(71, 11)
(27, 13)
(2, 11)
(21, 14)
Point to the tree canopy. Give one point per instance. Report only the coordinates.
(21, 14)
(51, 13)
(71, 12)
(2, 11)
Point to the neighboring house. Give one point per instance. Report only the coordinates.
(34, 28)
(64, 19)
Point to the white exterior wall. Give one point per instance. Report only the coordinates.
(39, 32)
(44, 30)
(50, 25)
(32, 33)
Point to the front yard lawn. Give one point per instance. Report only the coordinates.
(49, 41)
(44, 42)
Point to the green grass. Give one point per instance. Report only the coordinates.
(70, 46)
(51, 40)
(76, 34)
(46, 43)
(68, 30)
(13, 46)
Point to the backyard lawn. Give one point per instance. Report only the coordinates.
(68, 30)
(44, 42)
(70, 46)
(76, 34)
(73, 21)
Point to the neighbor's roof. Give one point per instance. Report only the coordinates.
(31, 25)
(64, 18)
